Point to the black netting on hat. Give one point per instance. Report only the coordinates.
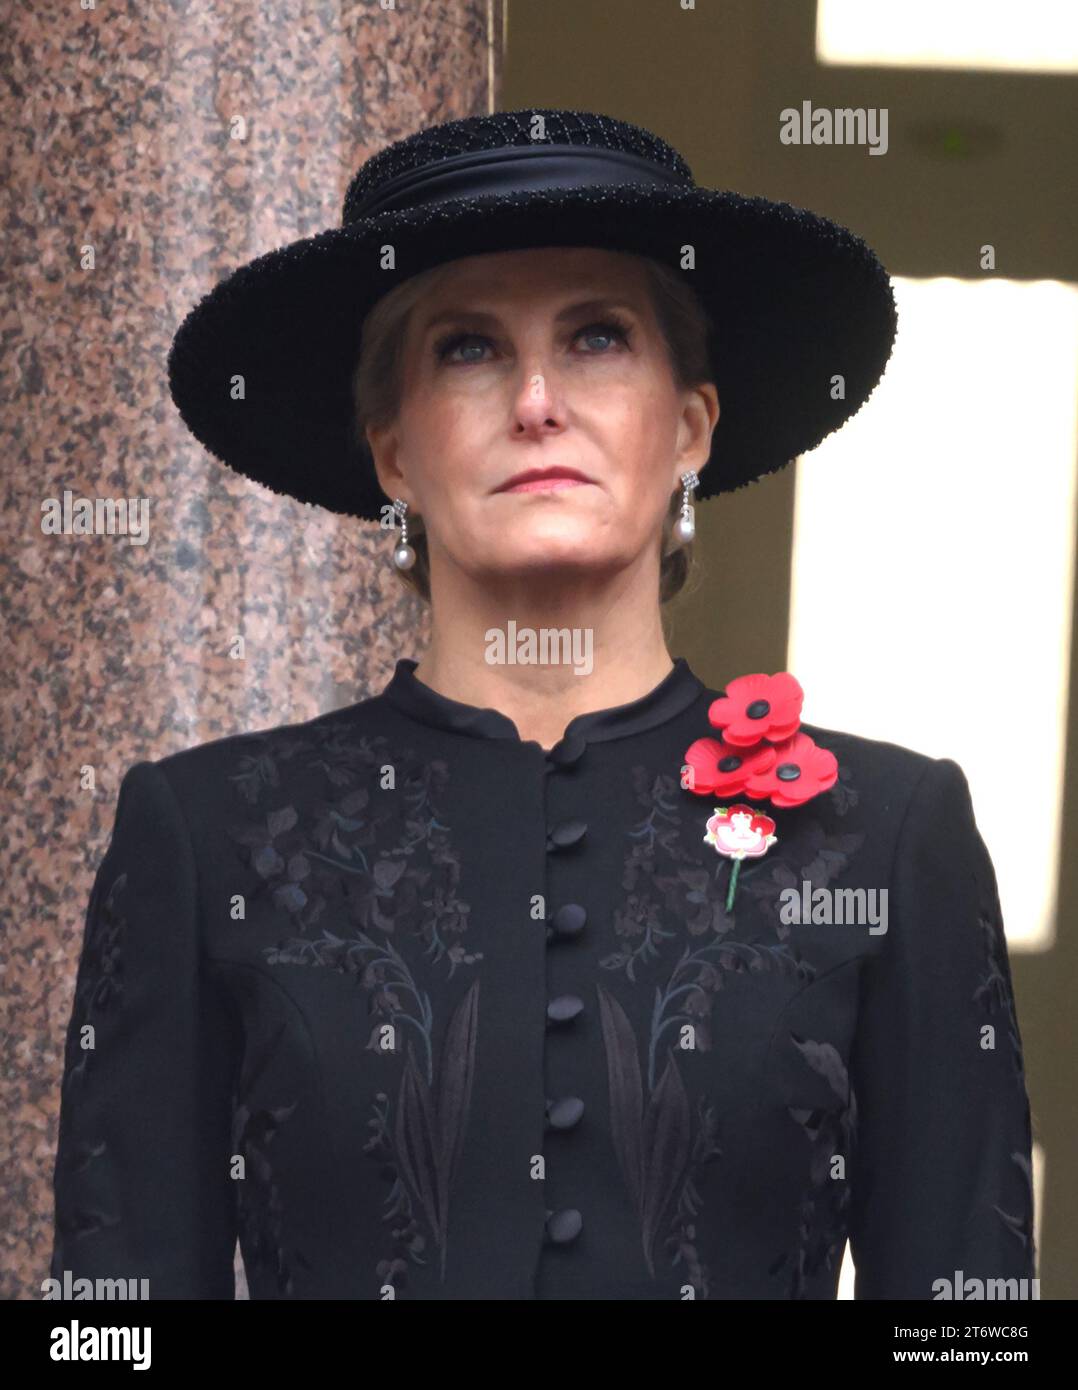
(509, 128)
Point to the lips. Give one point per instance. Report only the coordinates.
(543, 480)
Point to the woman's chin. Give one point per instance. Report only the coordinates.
(565, 538)
(550, 564)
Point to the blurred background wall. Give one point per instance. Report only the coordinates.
(916, 572)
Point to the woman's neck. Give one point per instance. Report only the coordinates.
(541, 660)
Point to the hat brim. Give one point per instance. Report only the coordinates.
(795, 300)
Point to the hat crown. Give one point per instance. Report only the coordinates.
(530, 127)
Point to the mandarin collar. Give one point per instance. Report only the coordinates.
(674, 693)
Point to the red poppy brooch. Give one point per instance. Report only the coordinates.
(758, 753)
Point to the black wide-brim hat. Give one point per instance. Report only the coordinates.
(795, 300)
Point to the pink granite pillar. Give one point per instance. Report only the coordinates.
(149, 149)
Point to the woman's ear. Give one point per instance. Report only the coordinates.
(695, 428)
(384, 446)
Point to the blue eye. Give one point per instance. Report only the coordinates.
(444, 346)
(607, 328)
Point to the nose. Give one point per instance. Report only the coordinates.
(536, 407)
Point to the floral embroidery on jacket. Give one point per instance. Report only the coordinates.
(680, 1243)
(843, 795)
(669, 890)
(996, 995)
(258, 1201)
(1021, 1227)
(329, 861)
(819, 858)
(652, 1131)
(99, 987)
(423, 1144)
(994, 991)
(822, 1219)
(687, 893)
(335, 865)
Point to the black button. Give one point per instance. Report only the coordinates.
(568, 920)
(564, 1009)
(566, 833)
(788, 772)
(567, 750)
(564, 1113)
(564, 1226)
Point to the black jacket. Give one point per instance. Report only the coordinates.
(417, 1009)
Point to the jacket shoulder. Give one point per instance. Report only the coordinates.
(884, 773)
(883, 752)
(192, 767)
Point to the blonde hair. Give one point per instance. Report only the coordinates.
(376, 384)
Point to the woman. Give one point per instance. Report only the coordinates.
(548, 972)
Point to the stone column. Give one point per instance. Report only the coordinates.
(149, 150)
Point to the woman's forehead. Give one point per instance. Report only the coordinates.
(484, 285)
(568, 267)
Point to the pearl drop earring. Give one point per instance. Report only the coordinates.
(403, 554)
(685, 527)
